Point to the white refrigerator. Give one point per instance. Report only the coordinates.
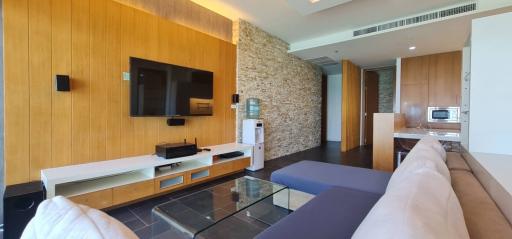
(253, 134)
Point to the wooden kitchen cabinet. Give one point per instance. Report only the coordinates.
(444, 79)
(414, 90)
(431, 80)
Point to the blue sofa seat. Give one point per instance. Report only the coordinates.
(315, 177)
(334, 213)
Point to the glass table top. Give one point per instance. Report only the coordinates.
(190, 215)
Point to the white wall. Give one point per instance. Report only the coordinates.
(334, 107)
(490, 129)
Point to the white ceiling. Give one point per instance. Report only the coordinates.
(281, 19)
(306, 7)
(306, 33)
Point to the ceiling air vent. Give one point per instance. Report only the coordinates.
(322, 61)
(417, 19)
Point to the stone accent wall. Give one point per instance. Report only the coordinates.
(386, 90)
(289, 89)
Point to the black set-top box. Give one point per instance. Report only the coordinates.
(169, 151)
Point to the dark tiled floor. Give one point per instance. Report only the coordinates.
(138, 216)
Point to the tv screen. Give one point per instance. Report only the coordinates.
(159, 89)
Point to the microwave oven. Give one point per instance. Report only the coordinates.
(443, 115)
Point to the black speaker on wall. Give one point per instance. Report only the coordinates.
(235, 98)
(62, 83)
(175, 122)
(20, 204)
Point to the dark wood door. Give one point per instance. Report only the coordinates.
(324, 109)
(371, 87)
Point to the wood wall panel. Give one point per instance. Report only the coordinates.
(80, 65)
(16, 88)
(351, 106)
(61, 101)
(40, 89)
(431, 80)
(112, 79)
(92, 40)
(187, 13)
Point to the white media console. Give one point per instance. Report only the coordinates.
(83, 179)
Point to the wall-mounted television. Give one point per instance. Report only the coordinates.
(160, 89)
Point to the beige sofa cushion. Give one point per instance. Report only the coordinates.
(422, 206)
(482, 216)
(421, 156)
(454, 161)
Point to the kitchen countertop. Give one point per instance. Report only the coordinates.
(439, 134)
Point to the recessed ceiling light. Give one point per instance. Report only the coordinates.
(314, 1)
(412, 48)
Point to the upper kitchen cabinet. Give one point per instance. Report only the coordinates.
(444, 79)
(414, 90)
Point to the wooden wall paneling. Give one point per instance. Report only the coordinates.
(113, 80)
(61, 65)
(40, 87)
(351, 106)
(414, 90)
(80, 63)
(445, 79)
(230, 67)
(92, 40)
(98, 91)
(16, 86)
(127, 123)
(187, 13)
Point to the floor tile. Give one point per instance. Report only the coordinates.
(135, 224)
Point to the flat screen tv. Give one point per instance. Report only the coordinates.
(160, 89)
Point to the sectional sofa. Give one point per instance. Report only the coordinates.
(432, 194)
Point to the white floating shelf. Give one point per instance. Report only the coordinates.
(93, 185)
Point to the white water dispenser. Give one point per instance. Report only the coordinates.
(253, 134)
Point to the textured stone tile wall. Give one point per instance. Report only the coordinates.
(386, 90)
(289, 89)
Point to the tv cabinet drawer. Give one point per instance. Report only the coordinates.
(200, 174)
(132, 191)
(170, 182)
(100, 199)
(223, 168)
(241, 164)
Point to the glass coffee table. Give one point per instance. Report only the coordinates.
(240, 208)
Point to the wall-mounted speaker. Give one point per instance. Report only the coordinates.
(235, 98)
(175, 122)
(62, 83)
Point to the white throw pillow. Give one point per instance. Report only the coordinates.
(60, 218)
(420, 157)
(424, 206)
